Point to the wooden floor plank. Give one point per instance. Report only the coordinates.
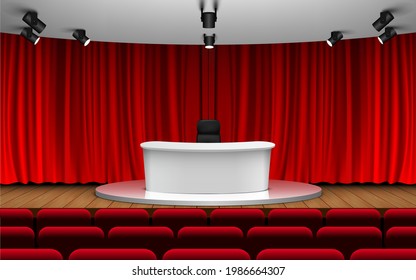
(390, 197)
(83, 196)
(349, 197)
(6, 189)
(332, 199)
(67, 197)
(26, 197)
(82, 200)
(4, 198)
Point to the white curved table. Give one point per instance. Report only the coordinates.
(206, 168)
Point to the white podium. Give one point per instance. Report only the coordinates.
(206, 168)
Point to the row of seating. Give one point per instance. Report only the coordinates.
(161, 239)
(208, 254)
(178, 218)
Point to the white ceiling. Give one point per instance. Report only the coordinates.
(239, 22)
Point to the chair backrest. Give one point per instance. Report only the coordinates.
(175, 219)
(300, 254)
(17, 237)
(384, 254)
(238, 217)
(260, 238)
(353, 217)
(210, 237)
(30, 254)
(156, 239)
(349, 239)
(108, 218)
(206, 254)
(112, 254)
(311, 218)
(67, 239)
(399, 218)
(208, 131)
(401, 237)
(12, 217)
(63, 217)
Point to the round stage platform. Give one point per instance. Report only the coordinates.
(278, 192)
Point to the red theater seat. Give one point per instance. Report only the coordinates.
(349, 239)
(157, 239)
(210, 237)
(17, 237)
(399, 218)
(260, 238)
(175, 219)
(29, 254)
(241, 218)
(112, 254)
(206, 254)
(311, 218)
(63, 217)
(300, 254)
(353, 217)
(401, 237)
(68, 239)
(109, 218)
(11, 217)
(384, 254)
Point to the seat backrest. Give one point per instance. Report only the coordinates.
(349, 239)
(16, 217)
(311, 218)
(210, 237)
(17, 237)
(208, 131)
(112, 254)
(175, 219)
(109, 218)
(62, 217)
(206, 254)
(300, 254)
(353, 217)
(67, 239)
(399, 218)
(30, 254)
(241, 218)
(260, 238)
(157, 239)
(384, 254)
(401, 237)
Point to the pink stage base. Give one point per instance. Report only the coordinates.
(278, 192)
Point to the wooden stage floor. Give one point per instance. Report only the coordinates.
(83, 196)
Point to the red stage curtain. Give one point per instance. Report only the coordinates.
(73, 114)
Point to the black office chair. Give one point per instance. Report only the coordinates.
(208, 131)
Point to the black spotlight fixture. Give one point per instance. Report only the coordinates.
(387, 35)
(29, 35)
(81, 36)
(208, 19)
(335, 37)
(385, 18)
(209, 41)
(31, 18)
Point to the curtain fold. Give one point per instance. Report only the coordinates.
(78, 114)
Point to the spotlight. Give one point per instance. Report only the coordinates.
(79, 34)
(208, 19)
(385, 18)
(387, 35)
(28, 34)
(335, 37)
(31, 18)
(209, 41)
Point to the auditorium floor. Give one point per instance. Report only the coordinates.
(83, 196)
